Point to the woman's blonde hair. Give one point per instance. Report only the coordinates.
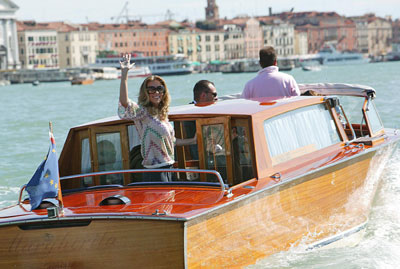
(144, 99)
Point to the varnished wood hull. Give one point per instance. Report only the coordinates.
(101, 244)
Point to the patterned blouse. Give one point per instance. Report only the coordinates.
(157, 137)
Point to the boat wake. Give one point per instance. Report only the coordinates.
(8, 195)
(380, 245)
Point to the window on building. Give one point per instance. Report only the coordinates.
(208, 38)
(216, 38)
(30, 38)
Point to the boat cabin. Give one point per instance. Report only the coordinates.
(240, 139)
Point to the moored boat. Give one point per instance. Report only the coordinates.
(176, 64)
(82, 81)
(261, 179)
(137, 72)
(328, 55)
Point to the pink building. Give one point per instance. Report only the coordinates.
(322, 27)
(150, 40)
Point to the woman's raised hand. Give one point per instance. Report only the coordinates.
(126, 62)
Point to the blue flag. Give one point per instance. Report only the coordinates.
(45, 182)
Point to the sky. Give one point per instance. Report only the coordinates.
(150, 11)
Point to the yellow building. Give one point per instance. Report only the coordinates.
(379, 36)
(77, 44)
(185, 41)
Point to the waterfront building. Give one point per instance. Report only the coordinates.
(185, 41)
(396, 36)
(322, 27)
(300, 43)
(252, 34)
(361, 33)
(38, 46)
(149, 40)
(233, 42)
(78, 45)
(379, 36)
(210, 45)
(278, 34)
(253, 38)
(8, 36)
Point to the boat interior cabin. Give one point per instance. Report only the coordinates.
(255, 141)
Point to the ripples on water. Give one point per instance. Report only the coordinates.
(26, 110)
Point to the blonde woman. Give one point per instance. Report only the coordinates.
(150, 116)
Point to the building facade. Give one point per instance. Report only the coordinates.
(280, 35)
(185, 41)
(38, 45)
(300, 43)
(233, 42)
(210, 46)
(8, 36)
(253, 38)
(78, 45)
(379, 36)
(361, 33)
(148, 40)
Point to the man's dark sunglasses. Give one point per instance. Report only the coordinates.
(152, 89)
(214, 94)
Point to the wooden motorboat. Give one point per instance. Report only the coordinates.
(265, 175)
(82, 81)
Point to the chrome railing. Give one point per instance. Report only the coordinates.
(129, 171)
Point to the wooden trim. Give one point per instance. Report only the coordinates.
(226, 122)
(364, 107)
(338, 124)
(180, 152)
(122, 130)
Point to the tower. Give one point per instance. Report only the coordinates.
(212, 10)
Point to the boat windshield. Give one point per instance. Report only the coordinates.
(221, 155)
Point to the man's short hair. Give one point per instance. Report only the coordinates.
(200, 87)
(267, 56)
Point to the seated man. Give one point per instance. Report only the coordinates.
(204, 91)
(107, 162)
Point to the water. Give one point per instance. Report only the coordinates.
(25, 111)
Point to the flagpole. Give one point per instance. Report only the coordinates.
(59, 195)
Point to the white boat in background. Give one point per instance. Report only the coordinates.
(136, 72)
(241, 66)
(104, 72)
(328, 55)
(176, 64)
(310, 66)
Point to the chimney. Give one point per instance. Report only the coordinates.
(270, 11)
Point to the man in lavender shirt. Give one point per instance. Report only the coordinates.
(269, 82)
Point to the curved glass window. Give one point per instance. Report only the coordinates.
(298, 132)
